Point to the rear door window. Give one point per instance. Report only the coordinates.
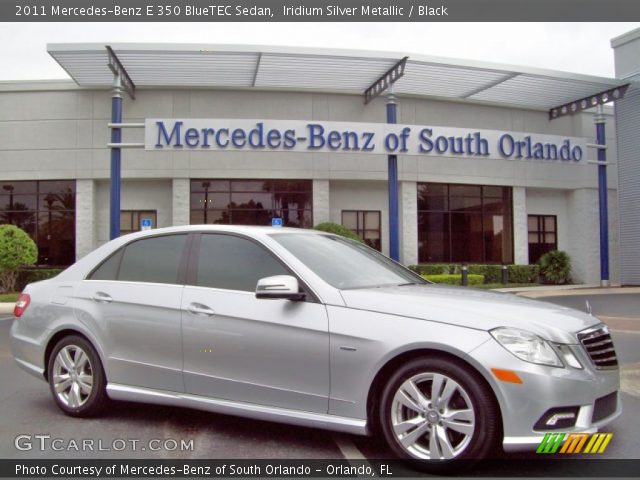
(153, 260)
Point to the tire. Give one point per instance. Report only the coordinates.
(76, 377)
(462, 424)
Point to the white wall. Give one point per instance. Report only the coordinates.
(578, 228)
(135, 195)
(360, 195)
(58, 131)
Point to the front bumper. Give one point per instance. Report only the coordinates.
(544, 388)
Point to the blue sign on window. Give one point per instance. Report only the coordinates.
(145, 224)
(276, 222)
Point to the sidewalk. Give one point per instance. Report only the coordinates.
(6, 308)
(565, 290)
(624, 324)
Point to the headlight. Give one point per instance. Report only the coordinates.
(526, 346)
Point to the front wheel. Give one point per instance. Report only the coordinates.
(438, 412)
(76, 377)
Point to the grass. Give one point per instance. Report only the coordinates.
(9, 297)
(490, 286)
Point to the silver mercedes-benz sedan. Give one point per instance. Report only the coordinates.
(312, 329)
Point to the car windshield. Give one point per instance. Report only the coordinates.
(344, 263)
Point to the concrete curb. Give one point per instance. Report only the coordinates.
(6, 308)
(579, 291)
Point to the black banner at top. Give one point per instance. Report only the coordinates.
(319, 10)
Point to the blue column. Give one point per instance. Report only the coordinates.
(116, 137)
(602, 194)
(394, 223)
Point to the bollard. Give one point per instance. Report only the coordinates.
(464, 281)
(505, 274)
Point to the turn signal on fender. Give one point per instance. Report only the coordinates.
(508, 376)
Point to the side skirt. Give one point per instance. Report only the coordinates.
(259, 412)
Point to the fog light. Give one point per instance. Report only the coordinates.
(553, 420)
(557, 418)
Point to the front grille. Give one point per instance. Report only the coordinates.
(599, 345)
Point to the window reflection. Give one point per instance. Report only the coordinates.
(46, 211)
(251, 202)
(464, 223)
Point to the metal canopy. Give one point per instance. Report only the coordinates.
(323, 70)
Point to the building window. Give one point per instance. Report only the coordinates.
(543, 235)
(46, 210)
(251, 202)
(365, 224)
(464, 224)
(130, 220)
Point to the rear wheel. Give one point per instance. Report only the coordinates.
(438, 412)
(76, 377)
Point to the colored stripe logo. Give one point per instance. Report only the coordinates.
(574, 442)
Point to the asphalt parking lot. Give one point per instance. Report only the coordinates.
(27, 409)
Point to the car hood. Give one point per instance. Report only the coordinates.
(473, 308)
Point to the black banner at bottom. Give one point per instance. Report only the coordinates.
(543, 466)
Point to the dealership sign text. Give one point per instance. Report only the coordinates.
(346, 137)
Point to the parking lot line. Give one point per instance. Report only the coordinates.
(347, 448)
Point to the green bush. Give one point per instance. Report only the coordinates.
(491, 273)
(31, 275)
(555, 267)
(432, 268)
(16, 249)
(523, 273)
(451, 279)
(337, 229)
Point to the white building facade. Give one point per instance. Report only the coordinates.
(455, 205)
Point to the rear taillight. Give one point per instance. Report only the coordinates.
(21, 305)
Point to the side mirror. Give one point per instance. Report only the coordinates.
(279, 286)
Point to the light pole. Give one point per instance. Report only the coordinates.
(206, 186)
(49, 199)
(9, 188)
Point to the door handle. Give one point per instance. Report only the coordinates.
(200, 309)
(102, 297)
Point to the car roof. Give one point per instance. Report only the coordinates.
(245, 229)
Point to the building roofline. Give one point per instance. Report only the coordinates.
(625, 38)
(331, 52)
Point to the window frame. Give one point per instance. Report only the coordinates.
(364, 229)
(139, 213)
(542, 232)
(182, 265)
(187, 270)
(449, 212)
(38, 191)
(232, 186)
(191, 270)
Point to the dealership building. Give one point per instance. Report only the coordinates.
(486, 173)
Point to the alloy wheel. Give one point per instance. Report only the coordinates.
(72, 376)
(432, 417)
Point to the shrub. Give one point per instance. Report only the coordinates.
(555, 267)
(337, 229)
(523, 273)
(31, 275)
(16, 249)
(432, 268)
(491, 273)
(452, 279)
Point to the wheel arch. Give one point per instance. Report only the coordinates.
(66, 332)
(392, 364)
